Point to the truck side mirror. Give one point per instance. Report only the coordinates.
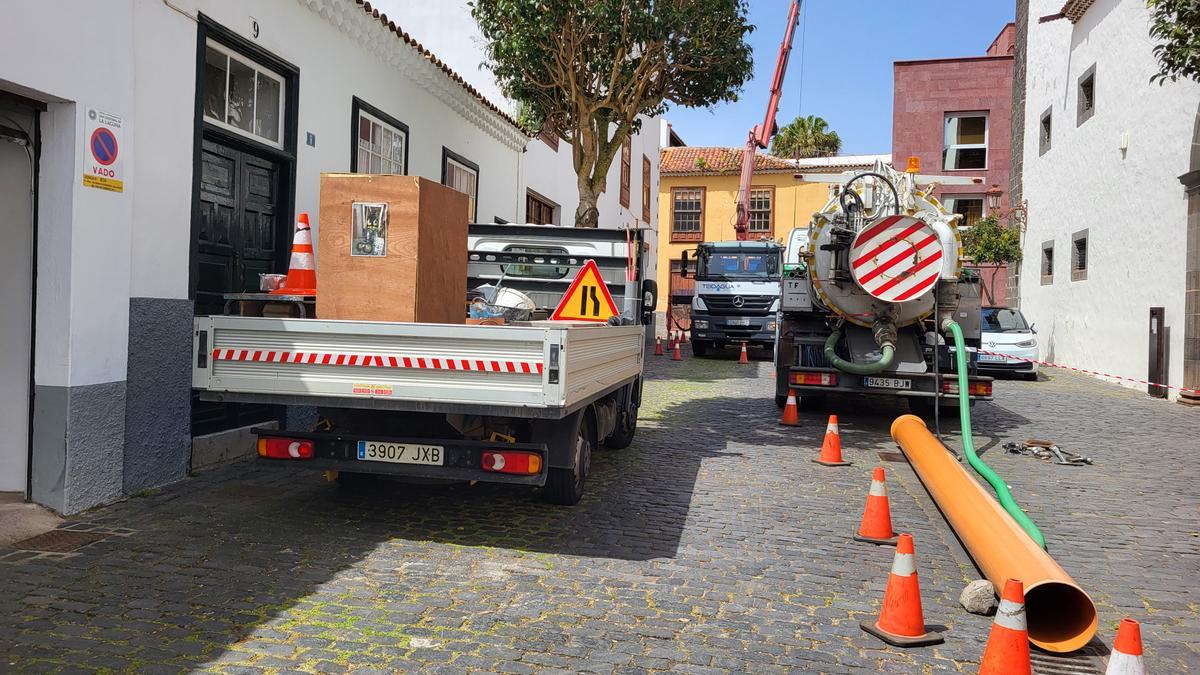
(649, 295)
(683, 265)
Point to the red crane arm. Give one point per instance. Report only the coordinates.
(760, 135)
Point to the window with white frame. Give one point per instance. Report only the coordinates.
(966, 141)
(242, 96)
(462, 175)
(970, 207)
(381, 144)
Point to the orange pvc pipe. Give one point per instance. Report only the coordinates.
(1061, 616)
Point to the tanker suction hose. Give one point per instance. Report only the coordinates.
(885, 359)
(964, 411)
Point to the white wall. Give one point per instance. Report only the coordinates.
(1131, 202)
(84, 233)
(99, 248)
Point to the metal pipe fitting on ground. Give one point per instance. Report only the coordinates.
(1061, 616)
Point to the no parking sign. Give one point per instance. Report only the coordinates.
(102, 152)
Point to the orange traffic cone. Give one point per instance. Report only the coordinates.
(901, 622)
(658, 346)
(670, 340)
(676, 355)
(302, 273)
(683, 336)
(1007, 651)
(743, 358)
(831, 448)
(1126, 657)
(791, 414)
(876, 526)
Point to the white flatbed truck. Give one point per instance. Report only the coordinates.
(523, 404)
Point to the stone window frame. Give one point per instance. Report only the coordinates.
(1086, 80)
(1045, 130)
(1079, 263)
(1047, 257)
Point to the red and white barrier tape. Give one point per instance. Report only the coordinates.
(378, 361)
(1085, 371)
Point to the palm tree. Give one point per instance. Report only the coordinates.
(806, 137)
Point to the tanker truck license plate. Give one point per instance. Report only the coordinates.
(401, 453)
(887, 383)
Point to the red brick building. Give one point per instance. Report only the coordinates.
(956, 116)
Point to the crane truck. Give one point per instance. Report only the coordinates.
(871, 284)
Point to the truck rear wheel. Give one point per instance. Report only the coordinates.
(622, 436)
(565, 486)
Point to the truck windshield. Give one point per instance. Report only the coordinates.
(738, 265)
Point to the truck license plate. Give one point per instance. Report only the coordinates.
(887, 383)
(401, 453)
(738, 322)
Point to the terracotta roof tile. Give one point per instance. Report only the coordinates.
(429, 56)
(694, 161)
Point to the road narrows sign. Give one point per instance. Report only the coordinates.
(587, 299)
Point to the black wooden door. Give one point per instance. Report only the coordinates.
(239, 232)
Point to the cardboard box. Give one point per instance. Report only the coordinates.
(391, 248)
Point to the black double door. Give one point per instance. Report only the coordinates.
(242, 232)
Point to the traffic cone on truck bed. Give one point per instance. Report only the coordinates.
(1007, 651)
(831, 448)
(901, 622)
(302, 272)
(876, 526)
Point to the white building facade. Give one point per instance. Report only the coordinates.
(1104, 150)
(154, 154)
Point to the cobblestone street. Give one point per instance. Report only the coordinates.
(713, 544)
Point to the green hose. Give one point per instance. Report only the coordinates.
(964, 412)
(885, 359)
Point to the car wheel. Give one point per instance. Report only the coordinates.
(565, 486)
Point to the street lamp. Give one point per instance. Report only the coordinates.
(993, 198)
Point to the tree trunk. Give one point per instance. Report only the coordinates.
(587, 215)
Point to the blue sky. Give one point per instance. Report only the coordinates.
(841, 64)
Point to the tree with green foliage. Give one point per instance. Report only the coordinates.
(1176, 24)
(989, 242)
(806, 137)
(586, 69)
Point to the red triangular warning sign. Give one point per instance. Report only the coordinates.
(587, 299)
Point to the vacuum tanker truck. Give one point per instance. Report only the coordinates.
(876, 282)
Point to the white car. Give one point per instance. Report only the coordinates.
(1013, 341)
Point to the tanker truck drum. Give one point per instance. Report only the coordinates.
(896, 259)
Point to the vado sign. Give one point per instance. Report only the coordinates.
(102, 152)
(587, 299)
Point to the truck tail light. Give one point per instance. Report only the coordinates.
(512, 461)
(815, 379)
(285, 448)
(974, 388)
